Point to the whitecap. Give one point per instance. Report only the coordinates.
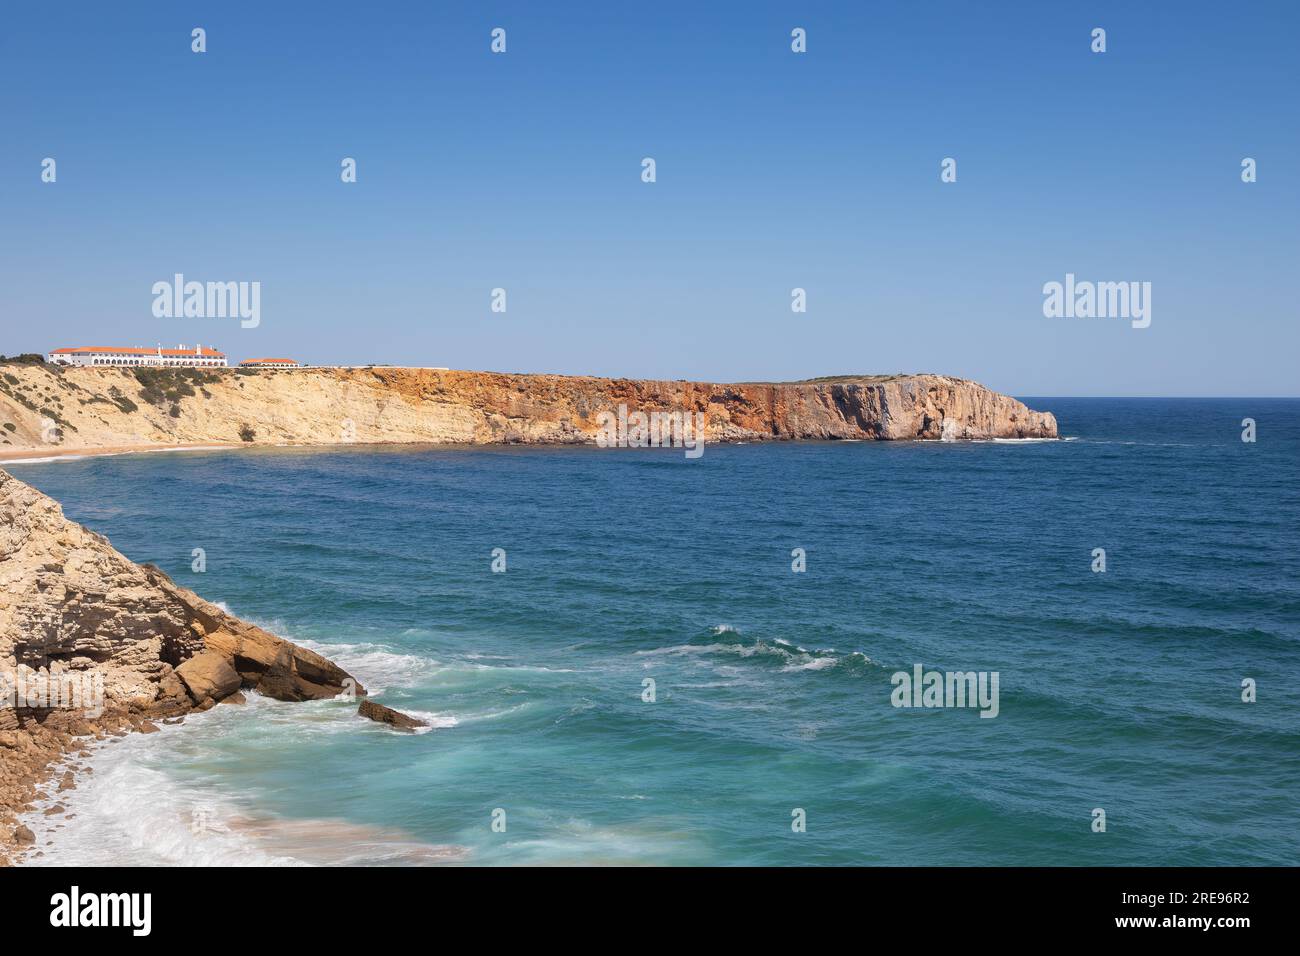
(131, 810)
(433, 720)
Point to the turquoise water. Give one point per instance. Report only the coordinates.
(1118, 690)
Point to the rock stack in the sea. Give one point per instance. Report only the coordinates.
(92, 645)
(386, 715)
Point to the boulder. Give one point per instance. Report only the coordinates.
(386, 715)
(209, 676)
(273, 666)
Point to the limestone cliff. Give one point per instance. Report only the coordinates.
(76, 613)
(47, 409)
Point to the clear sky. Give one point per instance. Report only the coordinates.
(775, 170)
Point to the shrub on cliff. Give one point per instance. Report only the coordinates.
(121, 401)
(168, 385)
(246, 432)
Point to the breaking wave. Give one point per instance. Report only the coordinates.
(777, 652)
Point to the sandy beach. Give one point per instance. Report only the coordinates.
(56, 452)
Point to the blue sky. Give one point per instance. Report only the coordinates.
(775, 171)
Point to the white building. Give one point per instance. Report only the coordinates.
(197, 357)
(270, 363)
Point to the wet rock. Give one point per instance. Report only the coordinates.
(386, 715)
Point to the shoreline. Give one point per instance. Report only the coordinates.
(65, 811)
(35, 456)
(149, 651)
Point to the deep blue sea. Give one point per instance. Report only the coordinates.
(1119, 690)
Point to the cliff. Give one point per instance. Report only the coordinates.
(48, 409)
(92, 644)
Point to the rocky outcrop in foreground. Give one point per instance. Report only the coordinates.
(85, 408)
(124, 646)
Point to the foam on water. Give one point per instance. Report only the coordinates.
(378, 668)
(792, 656)
(432, 720)
(129, 808)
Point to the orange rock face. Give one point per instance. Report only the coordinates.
(88, 408)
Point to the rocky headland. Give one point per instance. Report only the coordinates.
(48, 409)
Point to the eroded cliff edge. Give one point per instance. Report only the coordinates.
(81, 624)
(85, 408)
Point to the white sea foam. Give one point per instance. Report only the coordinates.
(377, 667)
(794, 656)
(432, 719)
(134, 809)
(814, 664)
(128, 811)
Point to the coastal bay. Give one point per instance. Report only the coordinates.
(773, 686)
(48, 410)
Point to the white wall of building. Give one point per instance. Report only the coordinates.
(133, 357)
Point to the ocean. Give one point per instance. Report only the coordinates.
(1118, 690)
